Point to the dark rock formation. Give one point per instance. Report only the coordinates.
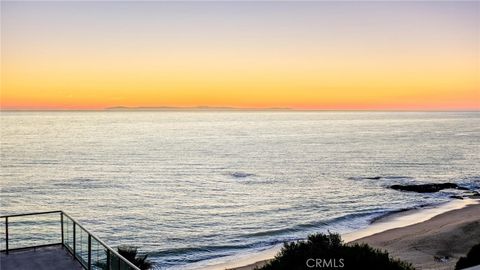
(373, 178)
(427, 188)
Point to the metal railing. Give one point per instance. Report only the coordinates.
(91, 252)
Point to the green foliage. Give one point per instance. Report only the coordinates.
(330, 251)
(472, 259)
(131, 254)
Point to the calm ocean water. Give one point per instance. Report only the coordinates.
(192, 186)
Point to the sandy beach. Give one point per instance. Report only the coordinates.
(437, 243)
(432, 238)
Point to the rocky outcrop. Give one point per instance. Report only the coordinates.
(427, 188)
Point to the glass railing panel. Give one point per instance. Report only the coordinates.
(99, 256)
(33, 230)
(81, 245)
(68, 233)
(114, 262)
(124, 266)
(2, 234)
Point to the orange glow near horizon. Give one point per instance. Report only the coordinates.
(90, 63)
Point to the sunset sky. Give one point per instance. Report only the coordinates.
(302, 55)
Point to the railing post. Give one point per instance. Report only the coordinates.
(89, 262)
(61, 227)
(109, 263)
(6, 235)
(74, 241)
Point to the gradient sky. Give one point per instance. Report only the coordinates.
(305, 55)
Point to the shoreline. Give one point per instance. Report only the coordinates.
(390, 221)
(436, 243)
(406, 218)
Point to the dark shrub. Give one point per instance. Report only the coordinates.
(131, 254)
(472, 259)
(327, 251)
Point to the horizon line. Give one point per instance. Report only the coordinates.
(226, 108)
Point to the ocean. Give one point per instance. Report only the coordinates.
(189, 187)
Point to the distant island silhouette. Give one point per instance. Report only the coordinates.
(195, 108)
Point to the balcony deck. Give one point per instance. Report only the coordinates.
(74, 250)
(54, 257)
